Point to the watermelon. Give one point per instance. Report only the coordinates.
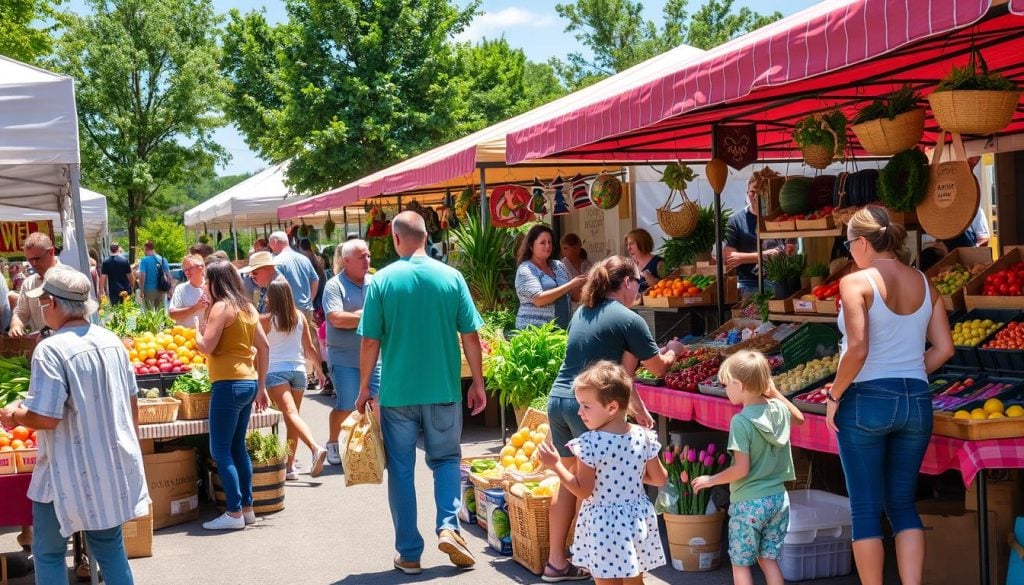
(795, 196)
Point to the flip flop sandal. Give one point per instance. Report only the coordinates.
(570, 573)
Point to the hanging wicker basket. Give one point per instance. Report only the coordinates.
(817, 156)
(973, 111)
(885, 137)
(678, 222)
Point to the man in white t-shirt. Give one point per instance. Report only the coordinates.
(189, 299)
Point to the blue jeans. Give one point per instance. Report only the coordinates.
(50, 550)
(442, 434)
(884, 429)
(230, 407)
(346, 382)
(566, 424)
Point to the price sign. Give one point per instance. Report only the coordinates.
(812, 340)
(13, 234)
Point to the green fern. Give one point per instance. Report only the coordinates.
(684, 251)
(890, 106)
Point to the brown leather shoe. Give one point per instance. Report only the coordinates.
(452, 544)
(408, 567)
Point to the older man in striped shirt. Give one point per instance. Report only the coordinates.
(89, 474)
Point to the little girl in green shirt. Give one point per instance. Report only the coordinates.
(762, 463)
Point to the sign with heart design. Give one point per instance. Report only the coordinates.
(736, 144)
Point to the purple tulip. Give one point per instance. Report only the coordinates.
(711, 449)
(686, 449)
(701, 455)
(691, 456)
(721, 459)
(709, 461)
(669, 457)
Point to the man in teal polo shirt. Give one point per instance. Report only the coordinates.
(414, 311)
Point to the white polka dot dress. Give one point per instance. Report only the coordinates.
(617, 530)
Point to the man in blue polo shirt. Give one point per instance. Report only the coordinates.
(298, 271)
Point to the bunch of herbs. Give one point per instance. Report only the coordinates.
(524, 368)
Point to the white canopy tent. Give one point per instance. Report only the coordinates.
(94, 216)
(39, 161)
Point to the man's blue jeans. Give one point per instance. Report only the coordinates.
(230, 407)
(884, 429)
(441, 425)
(50, 550)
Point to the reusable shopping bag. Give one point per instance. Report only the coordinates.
(362, 448)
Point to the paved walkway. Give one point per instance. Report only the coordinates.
(332, 534)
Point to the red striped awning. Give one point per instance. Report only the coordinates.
(834, 54)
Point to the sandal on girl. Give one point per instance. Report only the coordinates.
(571, 572)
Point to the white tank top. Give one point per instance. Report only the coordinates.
(286, 349)
(896, 343)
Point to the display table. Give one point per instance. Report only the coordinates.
(17, 508)
(183, 428)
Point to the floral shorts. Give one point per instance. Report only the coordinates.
(757, 529)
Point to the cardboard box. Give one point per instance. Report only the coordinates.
(138, 536)
(173, 486)
(973, 297)
(966, 257)
(951, 539)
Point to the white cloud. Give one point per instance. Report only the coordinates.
(493, 24)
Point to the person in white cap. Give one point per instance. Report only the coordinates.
(81, 401)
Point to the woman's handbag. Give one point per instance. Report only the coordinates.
(952, 198)
(362, 448)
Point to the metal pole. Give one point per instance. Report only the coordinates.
(344, 214)
(719, 260)
(234, 239)
(983, 527)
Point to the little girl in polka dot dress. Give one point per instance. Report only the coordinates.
(616, 535)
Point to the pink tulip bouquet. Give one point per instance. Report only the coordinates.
(684, 464)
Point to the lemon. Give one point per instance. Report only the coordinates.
(542, 428)
(1015, 411)
(979, 414)
(529, 447)
(958, 414)
(508, 451)
(520, 459)
(508, 461)
(996, 415)
(993, 405)
(517, 439)
(526, 467)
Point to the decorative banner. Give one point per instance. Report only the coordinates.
(606, 191)
(510, 206)
(13, 234)
(736, 144)
(561, 207)
(538, 203)
(580, 192)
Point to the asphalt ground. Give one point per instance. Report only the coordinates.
(332, 534)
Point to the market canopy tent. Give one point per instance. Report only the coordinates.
(94, 216)
(458, 164)
(834, 54)
(39, 161)
(253, 202)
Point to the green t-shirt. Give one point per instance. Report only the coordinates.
(603, 332)
(417, 307)
(762, 432)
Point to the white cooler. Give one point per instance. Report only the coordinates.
(818, 542)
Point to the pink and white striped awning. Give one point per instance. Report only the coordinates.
(838, 53)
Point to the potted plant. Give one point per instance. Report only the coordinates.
(815, 274)
(485, 255)
(971, 100)
(522, 369)
(890, 124)
(821, 138)
(686, 512)
(268, 469)
(784, 271)
(697, 246)
(678, 222)
(903, 181)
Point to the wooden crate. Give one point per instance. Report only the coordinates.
(8, 463)
(771, 223)
(15, 346)
(663, 302)
(966, 257)
(25, 459)
(976, 430)
(825, 223)
(973, 299)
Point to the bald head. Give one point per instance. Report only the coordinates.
(410, 233)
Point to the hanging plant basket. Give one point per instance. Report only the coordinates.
(680, 221)
(329, 226)
(885, 137)
(821, 138)
(817, 156)
(973, 111)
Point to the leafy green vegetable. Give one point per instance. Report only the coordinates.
(197, 382)
(524, 368)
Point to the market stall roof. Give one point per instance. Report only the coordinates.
(94, 215)
(456, 164)
(252, 202)
(835, 54)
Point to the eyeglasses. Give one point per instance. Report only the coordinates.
(848, 243)
(191, 268)
(39, 257)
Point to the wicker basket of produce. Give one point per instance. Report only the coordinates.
(528, 507)
(158, 410)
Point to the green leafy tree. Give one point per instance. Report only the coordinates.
(346, 87)
(21, 36)
(619, 36)
(168, 237)
(149, 94)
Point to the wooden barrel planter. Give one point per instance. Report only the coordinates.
(267, 486)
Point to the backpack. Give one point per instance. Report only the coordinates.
(162, 284)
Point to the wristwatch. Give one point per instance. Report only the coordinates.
(830, 397)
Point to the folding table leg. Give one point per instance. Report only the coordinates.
(983, 527)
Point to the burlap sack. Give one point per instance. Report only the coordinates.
(362, 449)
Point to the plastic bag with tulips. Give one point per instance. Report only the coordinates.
(684, 464)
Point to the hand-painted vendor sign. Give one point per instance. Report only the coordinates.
(13, 234)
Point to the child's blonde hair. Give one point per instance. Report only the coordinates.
(609, 381)
(749, 368)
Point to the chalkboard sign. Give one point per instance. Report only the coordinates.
(812, 340)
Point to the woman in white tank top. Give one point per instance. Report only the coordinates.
(291, 346)
(879, 404)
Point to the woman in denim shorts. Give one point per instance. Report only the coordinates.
(291, 345)
(604, 328)
(879, 404)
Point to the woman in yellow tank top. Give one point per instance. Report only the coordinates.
(238, 354)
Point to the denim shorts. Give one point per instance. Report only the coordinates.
(565, 423)
(346, 385)
(295, 379)
(885, 426)
(757, 528)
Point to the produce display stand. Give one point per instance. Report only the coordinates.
(182, 428)
(17, 508)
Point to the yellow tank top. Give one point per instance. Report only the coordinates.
(233, 358)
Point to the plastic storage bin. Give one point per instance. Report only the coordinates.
(818, 542)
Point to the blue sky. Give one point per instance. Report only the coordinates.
(532, 25)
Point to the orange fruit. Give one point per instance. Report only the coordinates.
(5, 442)
(21, 433)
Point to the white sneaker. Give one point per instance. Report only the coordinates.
(318, 463)
(291, 474)
(333, 454)
(225, 522)
(249, 517)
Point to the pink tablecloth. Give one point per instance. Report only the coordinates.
(15, 507)
(944, 453)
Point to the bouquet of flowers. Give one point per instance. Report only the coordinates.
(684, 464)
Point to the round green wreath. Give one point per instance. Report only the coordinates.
(903, 180)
